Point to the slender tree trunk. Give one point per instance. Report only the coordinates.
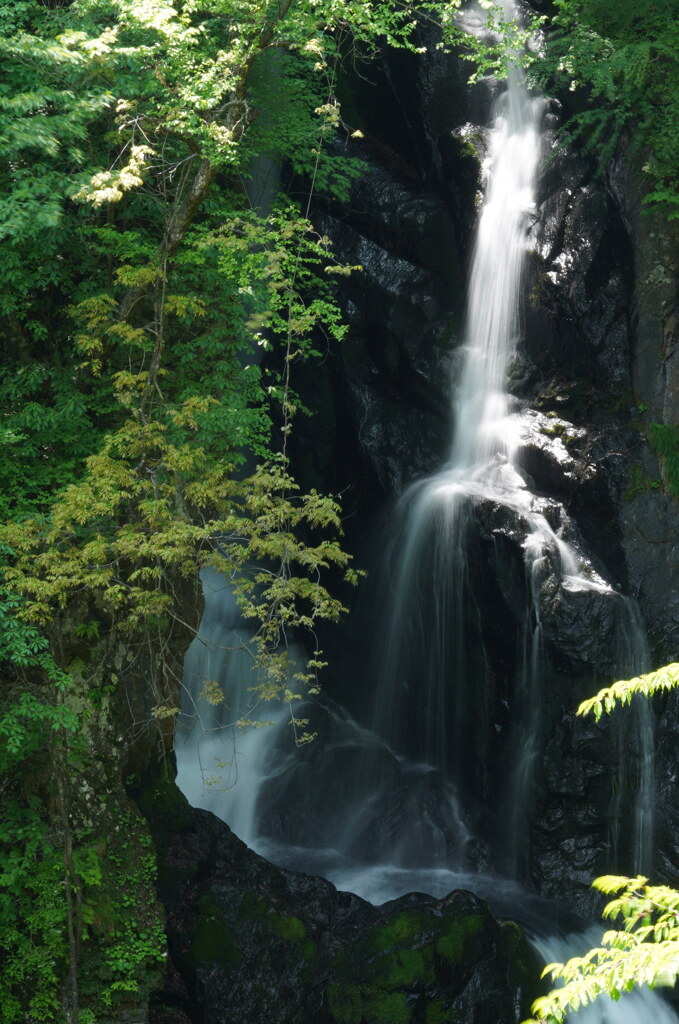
(72, 893)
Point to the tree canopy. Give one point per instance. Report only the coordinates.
(619, 63)
(157, 293)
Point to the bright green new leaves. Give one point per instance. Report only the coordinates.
(622, 692)
(644, 952)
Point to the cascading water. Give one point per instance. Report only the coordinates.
(430, 699)
(402, 795)
(433, 637)
(481, 406)
(220, 763)
(634, 788)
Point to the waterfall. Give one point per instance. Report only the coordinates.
(221, 763)
(634, 785)
(476, 561)
(482, 428)
(434, 637)
(435, 677)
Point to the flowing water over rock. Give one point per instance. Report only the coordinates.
(488, 585)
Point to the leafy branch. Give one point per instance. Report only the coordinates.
(622, 692)
(644, 952)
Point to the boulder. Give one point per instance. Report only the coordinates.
(249, 942)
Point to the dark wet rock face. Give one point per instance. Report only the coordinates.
(250, 942)
(409, 226)
(601, 337)
(596, 364)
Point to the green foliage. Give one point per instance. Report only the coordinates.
(42, 736)
(28, 715)
(664, 439)
(151, 323)
(621, 65)
(32, 916)
(622, 692)
(123, 922)
(47, 433)
(32, 908)
(640, 482)
(645, 951)
(123, 931)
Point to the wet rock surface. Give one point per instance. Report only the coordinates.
(250, 942)
(597, 362)
(595, 365)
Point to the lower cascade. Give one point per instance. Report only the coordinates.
(478, 573)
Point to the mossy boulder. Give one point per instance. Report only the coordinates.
(426, 962)
(250, 942)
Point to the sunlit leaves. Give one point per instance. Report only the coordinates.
(110, 186)
(644, 951)
(622, 692)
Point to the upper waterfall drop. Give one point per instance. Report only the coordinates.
(481, 406)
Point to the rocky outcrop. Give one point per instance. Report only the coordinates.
(601, 337)
(595, 366)
(249, 942)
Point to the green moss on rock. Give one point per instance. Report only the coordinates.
(395, 967)
(403, 928)
(345, 1003)
(164, 801)
(309, 950)
(252, 907)
(352, 1004)
(409, 966)
(289, 928)
(664, 439)
(451, 944)
(436, 1013)
(386, 1008)
(211, 939)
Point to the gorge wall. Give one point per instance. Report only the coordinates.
(596, 366)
